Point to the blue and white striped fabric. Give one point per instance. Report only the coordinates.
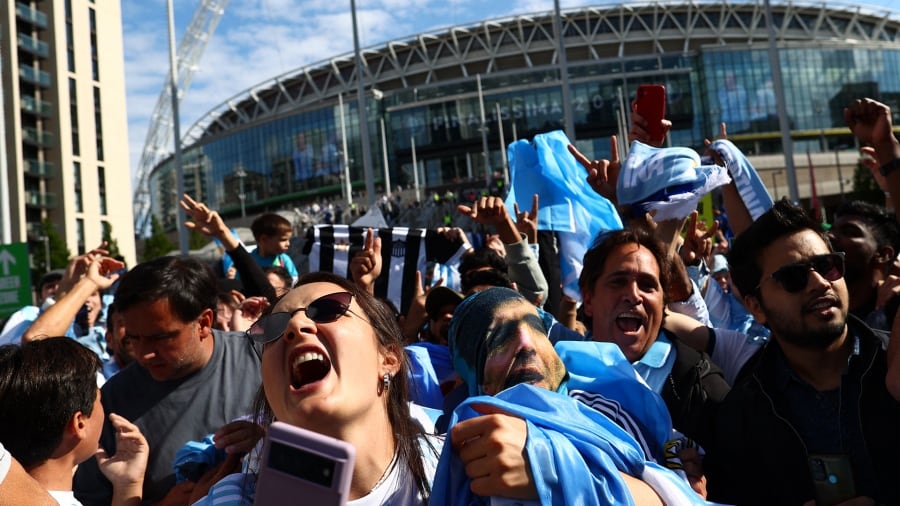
(749, 185)
(568, 205)
(403, 251)
(670, 181)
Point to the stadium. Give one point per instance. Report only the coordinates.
(447, 102)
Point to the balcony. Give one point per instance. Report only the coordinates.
(36, 106)
(33, 16)
(34, 230)
(34, 75)
(38, 199)
(38, 168)
(34, 46)
(37, 137)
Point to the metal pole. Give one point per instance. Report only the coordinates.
(176, 130)
(387, 171)
(484, 142)
(568, 117)
(778, 84)
(348, 192)
(837, 161)
(363, 115)
(46, 240)
(241, 174)
(775, 183)
(412, 141)
(503, 148)
(5, 206)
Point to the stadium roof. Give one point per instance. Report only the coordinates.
(514, 44)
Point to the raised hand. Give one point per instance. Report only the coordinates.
(603, 175)
(365, 266)
(698, 240)
(526, 221)
(637, 132)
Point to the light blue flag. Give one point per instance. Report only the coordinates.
(670, 181)
(749, 185)
(568, 204)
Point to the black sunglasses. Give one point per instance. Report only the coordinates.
(325, 309)
(794, 277)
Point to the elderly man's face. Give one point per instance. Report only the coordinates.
(519, 351)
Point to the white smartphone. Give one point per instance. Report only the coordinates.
(298, 463)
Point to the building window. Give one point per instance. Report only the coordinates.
(101, 184)
(95, 65)
(98, 123)
(73, 111)
(70, 39)
(79, 231)
(79, 201)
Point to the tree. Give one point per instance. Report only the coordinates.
(59, 253)
(196, 240)
(865, 187)
(111, 244)
(158, 244)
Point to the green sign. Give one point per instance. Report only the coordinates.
(15, 278)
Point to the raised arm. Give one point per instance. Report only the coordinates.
(870, 121)
(55, 321)
(523, 267)
(209, 223)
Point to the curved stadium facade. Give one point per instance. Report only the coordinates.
(280, 142)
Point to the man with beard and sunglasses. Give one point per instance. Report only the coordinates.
(810, 410)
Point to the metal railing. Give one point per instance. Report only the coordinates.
(34, 75)
(35, 136)
(23, 11)
(36, 106)
(39, 168)
(33, 45)
(39, 199)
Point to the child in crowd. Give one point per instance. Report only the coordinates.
(273, 238)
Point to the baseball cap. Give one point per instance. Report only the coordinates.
(439, 297)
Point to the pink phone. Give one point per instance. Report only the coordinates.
(650, 103)
(299, 463)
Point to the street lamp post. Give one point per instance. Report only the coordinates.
(775, 182)
(240, 173)
(837, 161)
(46, 240)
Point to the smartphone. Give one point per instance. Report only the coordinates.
(298, 463)
(650, 103)
(832, 479)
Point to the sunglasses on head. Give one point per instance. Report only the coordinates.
(325, 309)
(794, 277)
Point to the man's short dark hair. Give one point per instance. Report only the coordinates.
(884, 225)
(481, 258)
(270, 224)
(744, 258)
(606, 242)
(189, 285)
(42, 385)
(282, 273)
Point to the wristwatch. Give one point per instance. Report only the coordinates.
(889, 167)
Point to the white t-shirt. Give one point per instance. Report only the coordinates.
(5, 462)
(65, 497)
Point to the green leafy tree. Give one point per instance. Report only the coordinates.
(111, 244)
(59, 253)
(158, 244)
(865, 187)
(196, 240)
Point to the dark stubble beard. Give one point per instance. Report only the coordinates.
(794, 331)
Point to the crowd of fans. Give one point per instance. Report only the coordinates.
(748, 361)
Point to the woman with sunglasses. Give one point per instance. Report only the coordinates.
(333, 363)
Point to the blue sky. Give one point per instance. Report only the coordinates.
(260, 39)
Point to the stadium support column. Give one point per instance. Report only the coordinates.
(568, 120)
(363, 114)
(784, 124)
(484, 129)
(176, 131)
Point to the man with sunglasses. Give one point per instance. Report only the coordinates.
(188, 380)
(811, 409)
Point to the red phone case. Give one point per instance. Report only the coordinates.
(651, 105)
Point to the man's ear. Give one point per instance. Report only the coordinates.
(587, 299)
(754, 306)
(885, 255)
(77, 426)
(205, 321)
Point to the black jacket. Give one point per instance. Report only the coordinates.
(759, 458)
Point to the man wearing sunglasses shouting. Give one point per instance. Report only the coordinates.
(810, 410)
